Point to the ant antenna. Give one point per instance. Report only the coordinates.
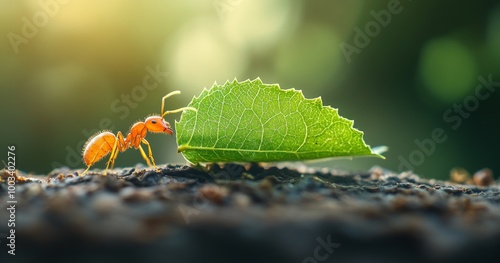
(172, 111)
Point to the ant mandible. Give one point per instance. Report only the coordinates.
(105, 142)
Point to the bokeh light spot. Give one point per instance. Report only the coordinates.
(201, 56)
(448, 69)
(258, 24)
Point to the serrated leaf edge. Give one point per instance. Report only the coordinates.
(318, 100)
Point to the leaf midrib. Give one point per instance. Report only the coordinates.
(183, 148)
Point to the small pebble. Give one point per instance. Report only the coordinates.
(376, 173)
(483, 177)
(460, 176)
(214, 192)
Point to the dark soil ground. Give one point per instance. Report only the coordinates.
(252, 213)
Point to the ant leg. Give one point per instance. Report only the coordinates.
(118, 146)
(144, 156)
(82, 174)
(150, 152)
(112, 157)
(111, 163)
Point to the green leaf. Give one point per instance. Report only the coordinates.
(254, 122)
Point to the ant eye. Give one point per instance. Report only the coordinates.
(153, 121)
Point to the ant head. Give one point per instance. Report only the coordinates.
(158, 124)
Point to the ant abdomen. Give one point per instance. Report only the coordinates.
(98, 146)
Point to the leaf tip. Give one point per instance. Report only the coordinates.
(379, 150)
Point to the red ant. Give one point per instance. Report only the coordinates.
(105, 142)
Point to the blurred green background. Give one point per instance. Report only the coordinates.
(70, 68)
